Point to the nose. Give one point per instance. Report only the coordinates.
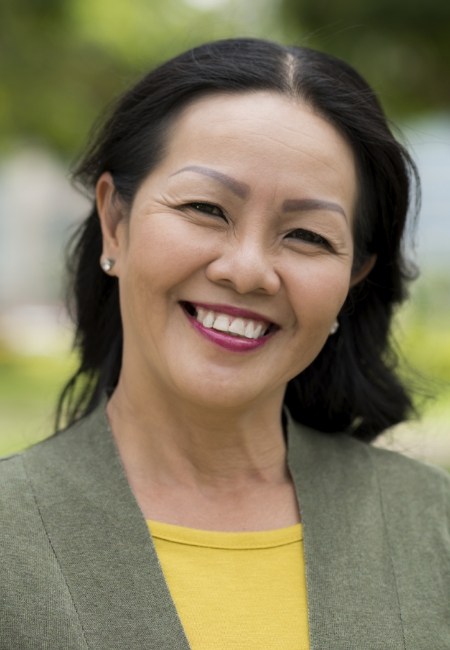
(245, 266)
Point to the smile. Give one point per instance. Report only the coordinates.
(237, 324)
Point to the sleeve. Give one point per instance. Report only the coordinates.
(415, 500)
(36, 607)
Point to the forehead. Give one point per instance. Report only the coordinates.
(263, 138)
(284, 120)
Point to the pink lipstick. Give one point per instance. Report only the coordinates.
(234, 341)
(233, 311)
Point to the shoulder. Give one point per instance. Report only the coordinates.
(33, 586)
(57, 462)
(401, 482)
(19, 471)
(406, 473)
(410, 488)
(13, 480)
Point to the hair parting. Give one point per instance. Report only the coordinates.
(353, 385)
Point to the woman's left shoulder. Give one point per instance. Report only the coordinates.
(425, 484)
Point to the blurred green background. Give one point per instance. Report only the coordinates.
(61, 63)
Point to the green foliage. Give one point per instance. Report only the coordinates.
(401, 47)
(424, 336)
(29, 387)
(62, 62)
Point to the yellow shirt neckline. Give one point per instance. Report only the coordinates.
(238, 540)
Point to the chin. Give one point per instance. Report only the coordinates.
(228, 395)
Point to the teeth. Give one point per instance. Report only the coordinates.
(259, 329)
(221, 323)
(237, 326)
(250, 330)
(247, 328)
(208, 320)
(201, 313)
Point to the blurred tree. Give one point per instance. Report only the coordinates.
(401, 46)
(61, 62)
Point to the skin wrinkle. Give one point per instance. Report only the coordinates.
(242, 190)
(314, 156)
(168, 252)
(291, 130)
(327, 230)
(237, 187)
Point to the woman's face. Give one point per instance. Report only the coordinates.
(236, 257)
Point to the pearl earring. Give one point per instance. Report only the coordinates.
(107, 263)
(334, 328)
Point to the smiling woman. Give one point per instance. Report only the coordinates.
(245, 248)
(233, 292)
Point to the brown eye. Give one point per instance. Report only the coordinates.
(309, 237)
(207, 208)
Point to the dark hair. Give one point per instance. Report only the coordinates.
(352, 385)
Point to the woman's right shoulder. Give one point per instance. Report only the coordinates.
(19, 471)
(16, 491)
(18, 508)
(62, 462)
(13, 475)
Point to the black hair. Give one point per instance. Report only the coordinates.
(352, 386)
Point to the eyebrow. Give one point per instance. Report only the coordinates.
(304, 205)
(242, 190)
(237, 187)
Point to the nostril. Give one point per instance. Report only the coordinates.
(246, 269)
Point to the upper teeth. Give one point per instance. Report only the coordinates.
(250, 329)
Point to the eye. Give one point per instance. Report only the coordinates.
(310, 237)
(207, 208)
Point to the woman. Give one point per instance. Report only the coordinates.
(250, 204)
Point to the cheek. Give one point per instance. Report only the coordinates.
(168, 236)
(149, 250)
(162, 253)
(319, 290)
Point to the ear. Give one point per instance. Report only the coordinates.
(363, 271)
(111, 215)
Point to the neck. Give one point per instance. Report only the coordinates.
(208, 468)
(190, 444)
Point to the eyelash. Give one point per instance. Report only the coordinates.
(206, 208)
(310, 237)
(300, 233)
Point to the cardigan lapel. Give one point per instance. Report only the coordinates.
(102, 541)
(112, 571)
(351, 587)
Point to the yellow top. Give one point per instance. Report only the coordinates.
(243, 590)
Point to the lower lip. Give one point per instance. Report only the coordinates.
(232, 343)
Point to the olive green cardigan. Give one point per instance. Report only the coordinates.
(78, 568)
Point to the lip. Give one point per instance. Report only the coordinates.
(234, 311)
(224, 340)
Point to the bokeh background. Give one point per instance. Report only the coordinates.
(62, 62)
